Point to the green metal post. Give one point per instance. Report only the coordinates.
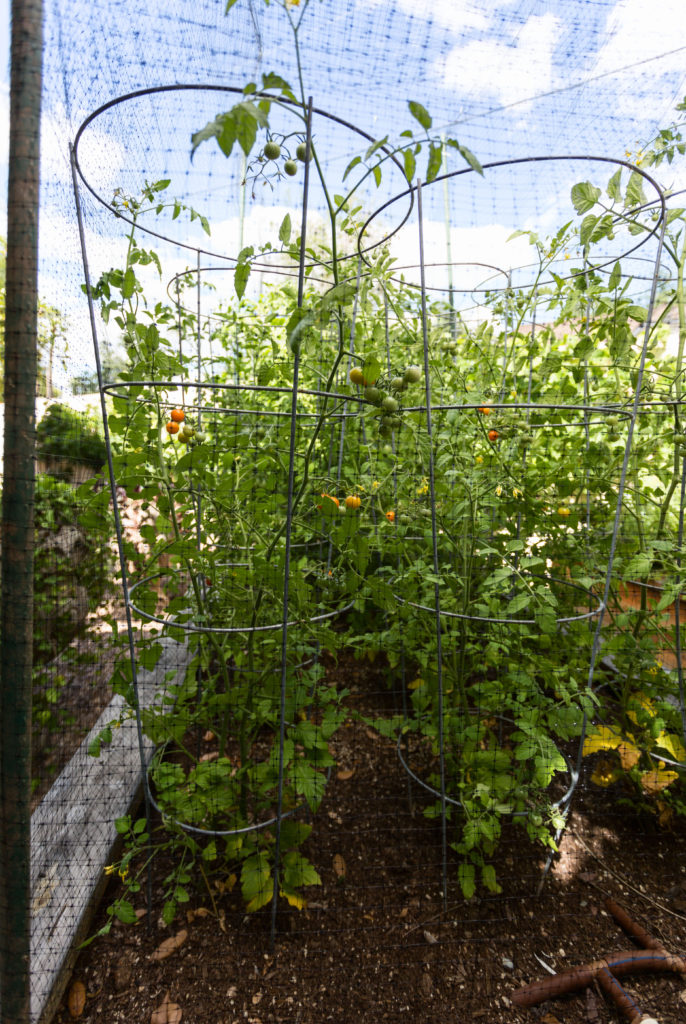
(16, 566)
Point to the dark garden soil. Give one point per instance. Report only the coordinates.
(375, 942)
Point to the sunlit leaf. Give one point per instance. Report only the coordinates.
(657, 780)
(601, 738)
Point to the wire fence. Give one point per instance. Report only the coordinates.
(358, 527)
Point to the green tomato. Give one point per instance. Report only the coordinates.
(290, 168)
(392, 421)
(200, 436)
(302, 153)
(372, 395)
(413, 374)
(272, 150)
(390, 404)
(398, 384)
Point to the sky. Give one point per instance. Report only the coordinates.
(509, 79)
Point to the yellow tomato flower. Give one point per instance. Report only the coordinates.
(516, 493)
(479, 459)
(110, 869)
(375, 485)
(498, 490)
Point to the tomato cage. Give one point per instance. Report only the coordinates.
(230, 430)
(500, 643)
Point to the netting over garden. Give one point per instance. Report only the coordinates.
(384, 314)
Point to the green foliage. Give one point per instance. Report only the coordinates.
(516, 483)
(64, 434)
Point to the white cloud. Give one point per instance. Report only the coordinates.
(639, 29)
(509, 71)
(636, 31)
(476, 253)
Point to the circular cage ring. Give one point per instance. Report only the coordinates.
(510, 621)
(212, 833)
(192, 627)
(292, 107)
(658, 202)
(452, 802)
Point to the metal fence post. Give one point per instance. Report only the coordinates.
(16, 566)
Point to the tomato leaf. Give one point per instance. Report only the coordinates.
(353, 163)
(615, 277)
(435, 161)
(465, 874)
(285, 230)
(240, 279)
(420, 114)
(584, 196)
(410, 164)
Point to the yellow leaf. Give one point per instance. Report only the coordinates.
(645, 703)
(658, 779)
(629, 755)
(666, 814)
(602, 738)
(416, 683)
(605, 773)
(672, 743)
(261, 900)
(299, 902)
(345, 774)
(77, 999)
(339, 866)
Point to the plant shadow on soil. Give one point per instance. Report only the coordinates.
(376, 943)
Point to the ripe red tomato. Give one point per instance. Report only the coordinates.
(172, 428)
(493, 435)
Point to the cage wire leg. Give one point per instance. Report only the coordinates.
(677, 603)
(434, 540)
(288, 537)
(118, 530)
(402, 738)
(595, 648)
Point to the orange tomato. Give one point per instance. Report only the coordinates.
(177, 415)
(172, 428)
(484, 410)
(353, 501)
(493, 435)
(390, 516)
(331, 498)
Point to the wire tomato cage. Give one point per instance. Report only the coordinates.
(476, 546)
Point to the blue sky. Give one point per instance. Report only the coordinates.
(511, 78)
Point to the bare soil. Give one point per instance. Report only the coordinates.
(377, 942)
